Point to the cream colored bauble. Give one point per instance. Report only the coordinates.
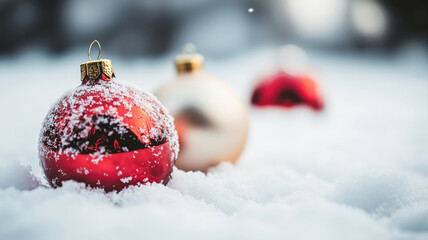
(210, 118)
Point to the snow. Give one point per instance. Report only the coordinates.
(69, 116)
(359, 169)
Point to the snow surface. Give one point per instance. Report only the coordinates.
(359, 170)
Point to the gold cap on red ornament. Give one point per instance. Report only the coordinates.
(94, 69)
(189, 61)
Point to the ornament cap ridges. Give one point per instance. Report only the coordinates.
(95, 68)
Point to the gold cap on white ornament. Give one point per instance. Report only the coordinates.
(189, 61)
(95, 68)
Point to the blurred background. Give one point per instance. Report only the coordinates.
(220, 28)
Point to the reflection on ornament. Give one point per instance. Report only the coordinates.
(107, 134)
(210, 118)
(285, 90)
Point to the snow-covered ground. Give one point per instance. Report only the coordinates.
(359, 170)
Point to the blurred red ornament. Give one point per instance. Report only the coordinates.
(285, 90)
(107, 134)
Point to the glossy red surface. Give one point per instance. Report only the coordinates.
(107, 136)
(287, 91)
(112, 171)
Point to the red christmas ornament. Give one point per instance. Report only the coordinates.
(107, 134)
(285, 90)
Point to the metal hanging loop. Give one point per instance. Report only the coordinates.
(99, 50)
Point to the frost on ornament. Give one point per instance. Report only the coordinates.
(108, 134)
